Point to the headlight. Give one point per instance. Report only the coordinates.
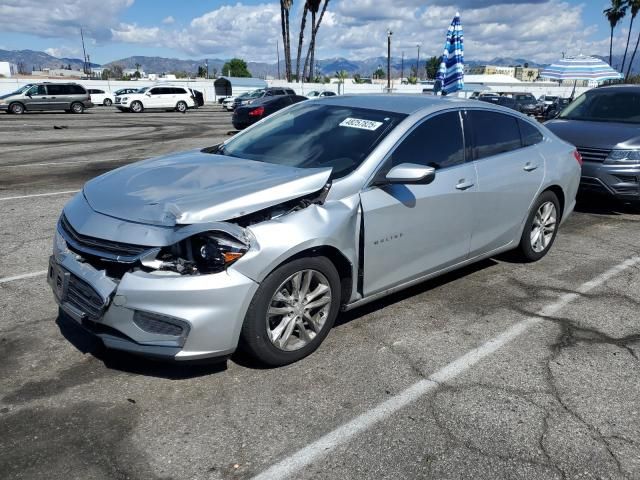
(2, 102)
(207, 252)
(124, 99)
(59, 244)
(624, 157)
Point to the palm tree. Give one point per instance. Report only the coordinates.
(635, 8)
(341, 75)
(314, 6)
(614, 14)
(303, 24)
(634, 5)
(285, 7)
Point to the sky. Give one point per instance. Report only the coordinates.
(537, 30)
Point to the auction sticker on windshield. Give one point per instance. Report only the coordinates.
(360, 123)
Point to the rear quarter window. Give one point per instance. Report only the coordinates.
(529, 133)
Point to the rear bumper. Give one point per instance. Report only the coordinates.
(622, 182)
(4, 107)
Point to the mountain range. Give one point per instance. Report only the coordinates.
(35, 60)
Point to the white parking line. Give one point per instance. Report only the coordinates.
(289, 466)
(24, 275)
(38, 195)
(48, 164)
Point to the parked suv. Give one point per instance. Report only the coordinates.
(70, 97)
(100, 97)
(263, 92)
(604, 124)
(159, 97)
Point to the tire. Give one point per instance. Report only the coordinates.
(309, 326)
(182, 107)
(16, 108)
(107, 102)
(136, 107)
(541, 227)
(77, 107)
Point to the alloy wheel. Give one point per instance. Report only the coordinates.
(543, 227)
(298, 310)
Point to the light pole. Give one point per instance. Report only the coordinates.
(206, 64)
(402, 69)
(418, 63)
(389, 33)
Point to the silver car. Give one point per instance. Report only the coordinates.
(259, 242)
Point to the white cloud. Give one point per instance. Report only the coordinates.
(62, 18)
(169, 20)
(63, 52)
(132, 33)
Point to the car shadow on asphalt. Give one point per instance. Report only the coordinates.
(356, 313)
(125, 362)
(604, 205)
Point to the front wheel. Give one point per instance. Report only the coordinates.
(541, 227)
(182, 107)
(292, 311)
(16, 108)
(136, 107)
(77, 107)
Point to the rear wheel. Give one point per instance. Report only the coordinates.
(136, 107)
(181, 107)
(107, 102)
(541, 227)
(77, 107)
(16, 108)
(292, 311)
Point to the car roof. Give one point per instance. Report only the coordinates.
(398, 103)
(625, 87)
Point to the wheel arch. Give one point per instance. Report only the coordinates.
(559, 193)
(335, 256)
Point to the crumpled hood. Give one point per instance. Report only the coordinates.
(197, 187)
(605, 135)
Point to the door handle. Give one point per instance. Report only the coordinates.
(463, 185)
(528, 167)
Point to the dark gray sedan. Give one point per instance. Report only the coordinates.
(604, 124)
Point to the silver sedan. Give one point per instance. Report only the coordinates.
(259, 242)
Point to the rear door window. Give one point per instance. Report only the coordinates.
(493, 133)
(58, 89)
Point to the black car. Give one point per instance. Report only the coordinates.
(524, 102)
(261, 93)
(198, 97)
(556, 107)
(499, 100)
(249, 114)
(604, 124)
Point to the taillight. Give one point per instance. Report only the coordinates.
(577, 156)
(257, 112)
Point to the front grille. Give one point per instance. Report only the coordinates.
(153, 323)
(593, 154)
(98, 247)
(117, 100)
(82, 296)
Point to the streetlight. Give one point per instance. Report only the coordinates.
(418, 63)
(389, 33)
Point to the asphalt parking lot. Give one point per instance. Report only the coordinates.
(501, 370)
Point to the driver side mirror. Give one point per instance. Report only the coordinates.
(411, 173)
(148, 94)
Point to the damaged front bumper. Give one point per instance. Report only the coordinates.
(160, 314)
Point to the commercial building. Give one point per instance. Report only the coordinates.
(8, 69)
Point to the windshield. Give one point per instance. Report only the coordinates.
(256, 94)
(19, 91)
(142, 90)
(315, 136)
(605, 106)
(313, 94)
